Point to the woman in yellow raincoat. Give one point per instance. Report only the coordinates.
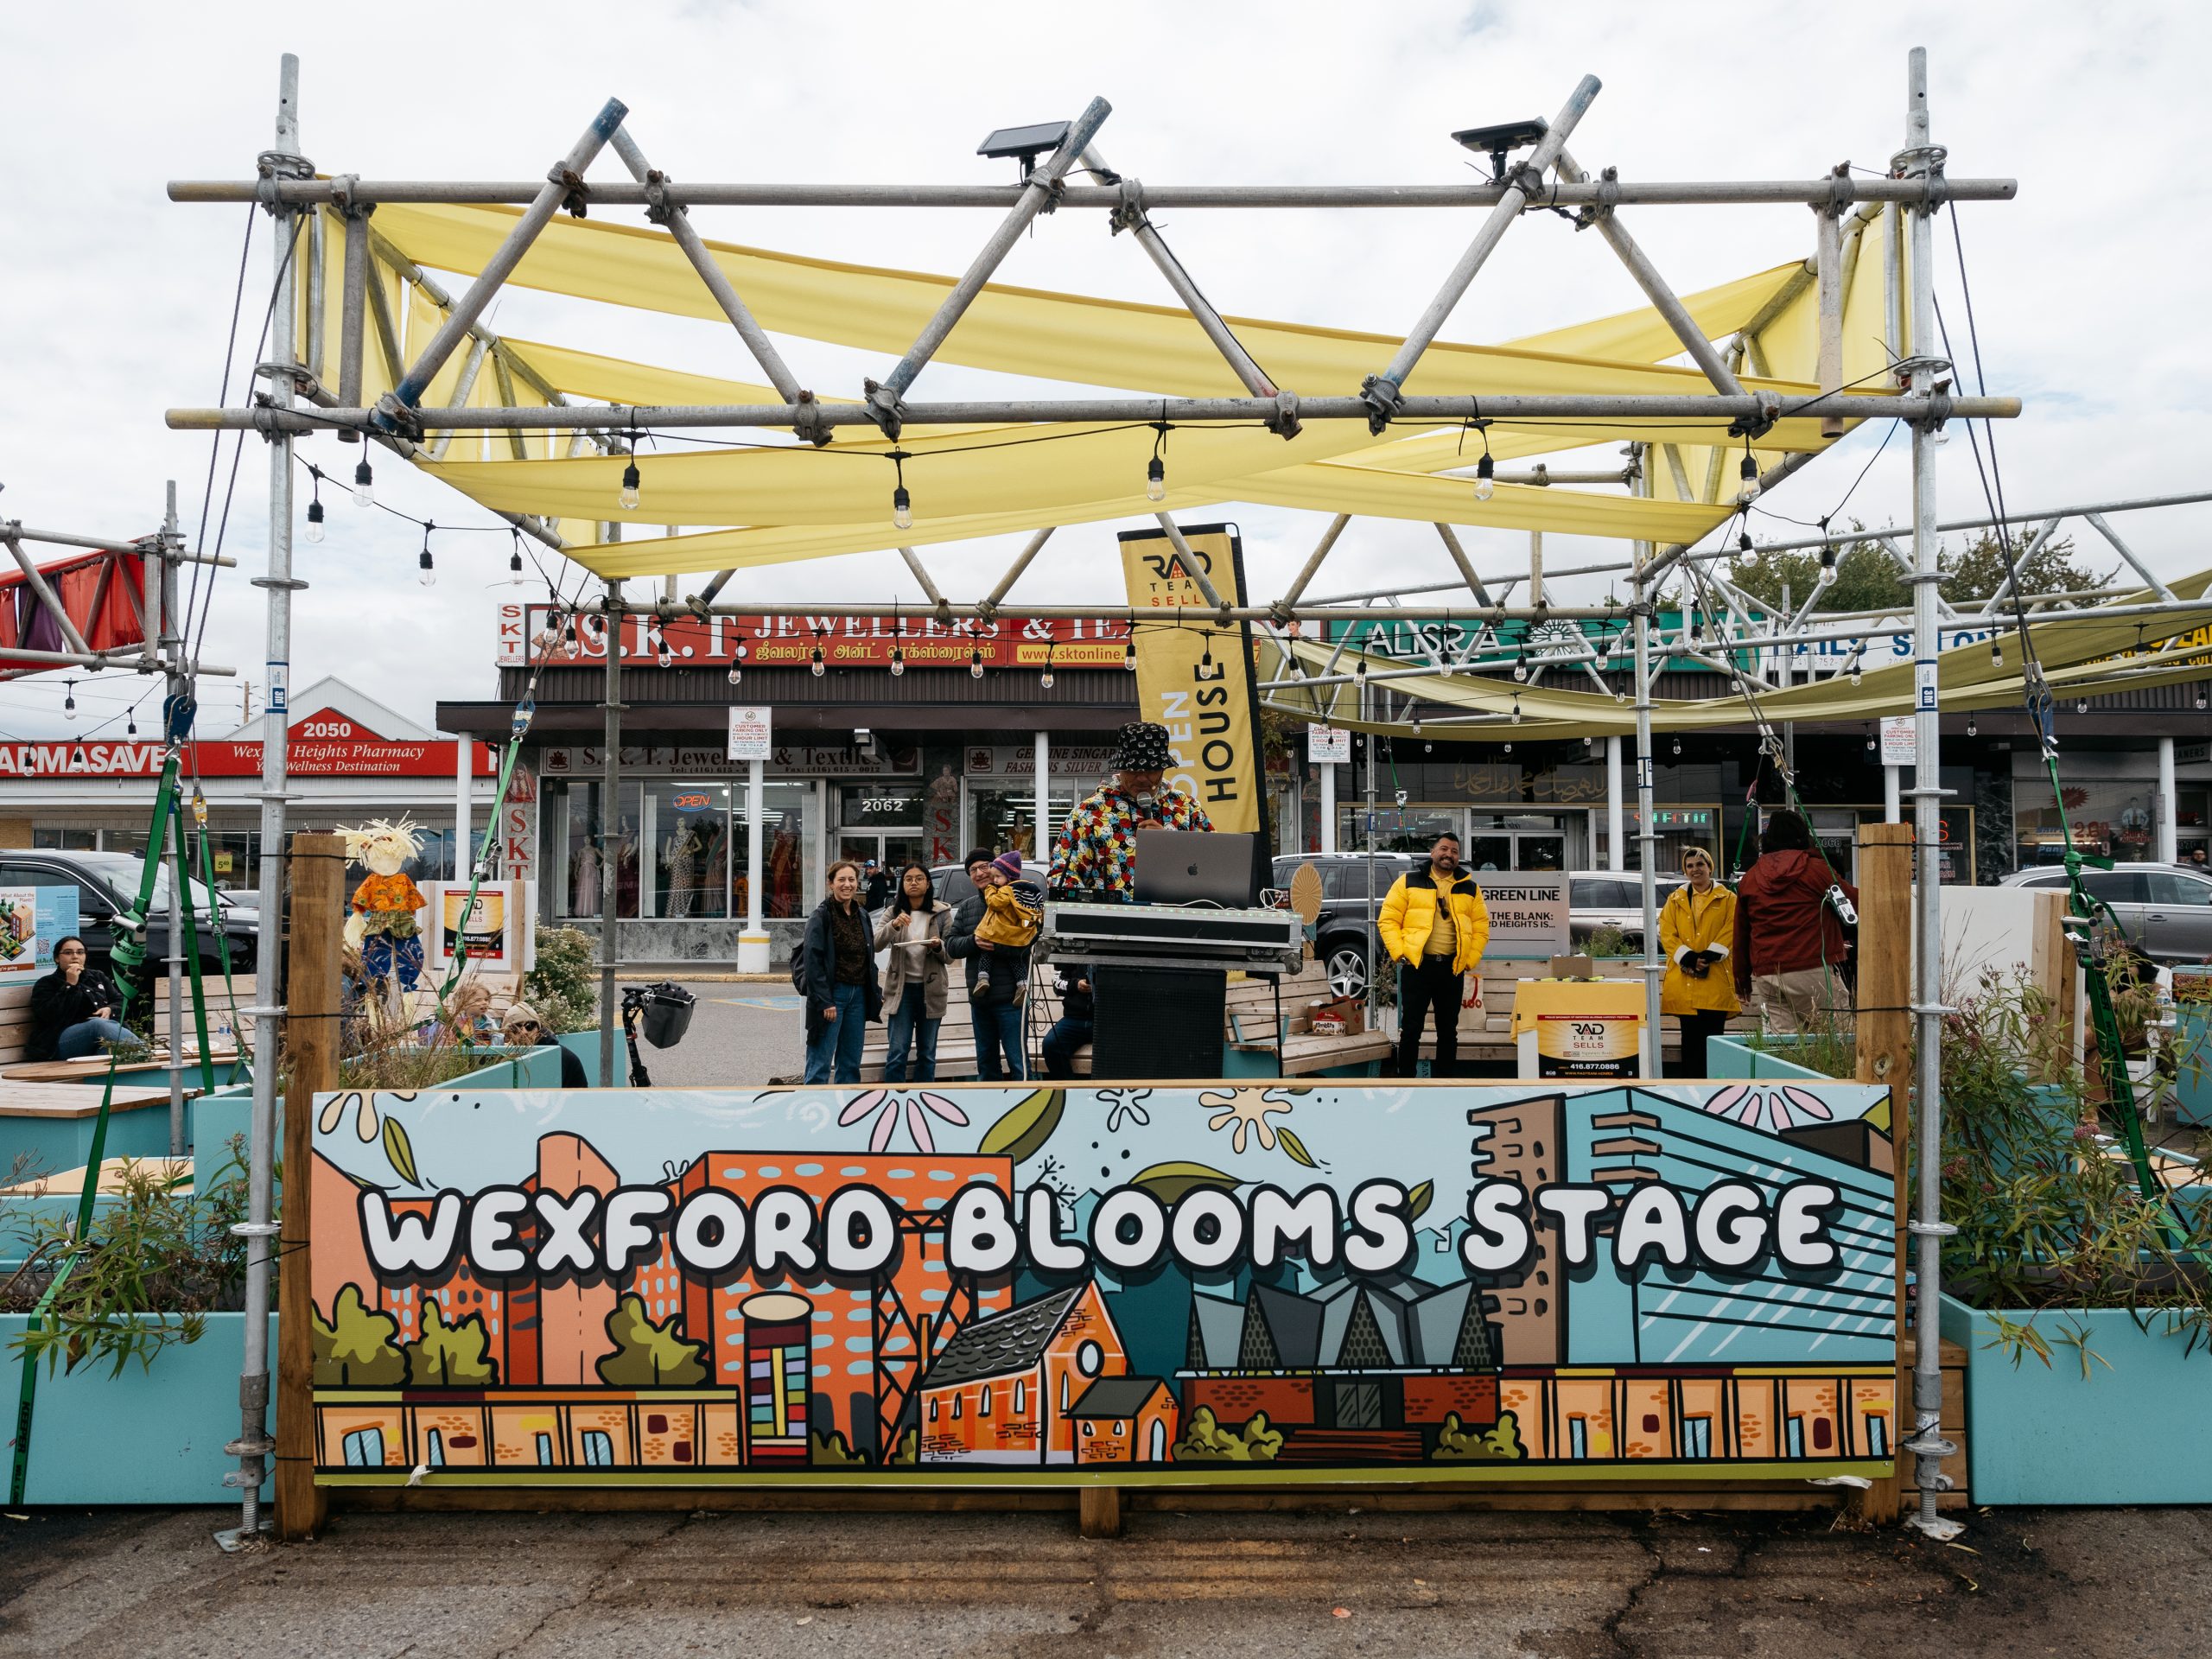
(1697, 927)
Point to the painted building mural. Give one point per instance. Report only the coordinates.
(1443, 1282)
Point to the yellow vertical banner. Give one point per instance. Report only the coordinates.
(1194, 677)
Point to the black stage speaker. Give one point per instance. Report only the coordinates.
(1156, 1023)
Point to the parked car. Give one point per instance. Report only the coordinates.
(107, 883)
(1346, 930)
(1597, 899)
(2166, 913)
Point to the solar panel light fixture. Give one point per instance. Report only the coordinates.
(1026, 144)
(1500, 141)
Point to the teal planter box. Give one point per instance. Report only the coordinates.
(584, 1045)
(1733, 1057)
(145, 1437)
(2130, 1432)
(52, 1144)
(2192, 1041)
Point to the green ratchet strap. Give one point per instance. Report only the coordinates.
(215, 925)
(524, 710)
(128, 951)
(181, 898)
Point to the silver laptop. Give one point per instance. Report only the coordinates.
(1183, 866)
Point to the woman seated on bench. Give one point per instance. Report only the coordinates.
(74, 1008)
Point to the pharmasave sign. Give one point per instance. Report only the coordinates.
(351, 757)
(1181, 1284)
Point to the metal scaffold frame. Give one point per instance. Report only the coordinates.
(1918, 391)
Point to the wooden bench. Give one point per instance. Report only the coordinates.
(1486, 1034)
(225, 1009)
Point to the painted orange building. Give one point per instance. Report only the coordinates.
(855, 1362)
(1126, 1420)
(666, 1429)
(1745, 1413)
(1002, 1390)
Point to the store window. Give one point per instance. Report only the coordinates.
(791, 877)
(2110, 819)
(1001, 818)
(691, 850)
(1680, 829)
(580, 870)
(75, 841)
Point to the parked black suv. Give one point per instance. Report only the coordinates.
(107, 882)
(1346, 930)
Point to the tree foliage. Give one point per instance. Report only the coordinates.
(1455, 1443)
(1204, 1440)
(449, 1355)
(649, 1356)
(1868, 579)
(354, 1347)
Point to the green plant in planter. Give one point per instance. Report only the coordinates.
(157, 1259)
(2047, 1220)
(564, 985)
(1609, 941)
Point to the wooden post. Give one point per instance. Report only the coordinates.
(1885, 1050)
(1099, 1511)
(318, 873)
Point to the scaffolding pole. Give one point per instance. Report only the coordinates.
(1922, 161)
(253, 1445)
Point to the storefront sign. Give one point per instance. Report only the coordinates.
(31, 920)
(1196, 680)
(844, 642)
(1088, 763)
(1900, 740)
(1527, 916)
(1328, 745)
(356, 754)
(1256, 1283)
(751, 737)
(785, 760)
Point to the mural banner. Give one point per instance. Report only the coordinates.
(1179, 1284)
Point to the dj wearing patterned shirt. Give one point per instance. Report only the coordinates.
(1095, 856)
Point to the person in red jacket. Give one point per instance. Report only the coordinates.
(1790, 943)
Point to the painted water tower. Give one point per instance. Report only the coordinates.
(778, 1330)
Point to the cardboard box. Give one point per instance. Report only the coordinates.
(1573, 967)
(1332, 1016)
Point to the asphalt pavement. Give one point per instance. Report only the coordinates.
(152, 1585)
(741, 1033)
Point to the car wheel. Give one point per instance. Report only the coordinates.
(1344, 962)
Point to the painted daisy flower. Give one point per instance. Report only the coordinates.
(1246, 1109)
(886, 1104)
(1773, 1106)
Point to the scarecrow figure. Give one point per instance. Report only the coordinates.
(382, 927)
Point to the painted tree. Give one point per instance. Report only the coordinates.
(649, 1356)
(450, 1356)
(354, 1347)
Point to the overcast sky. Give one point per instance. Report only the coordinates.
(2088, 287)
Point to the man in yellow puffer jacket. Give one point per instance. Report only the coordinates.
(1433, 923)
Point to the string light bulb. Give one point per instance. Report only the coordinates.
(131, 722)
(902, 505)
(2080, 705)
(514, 553)
(975, 664)
(630, 481)
(815, 664)
(1485, 473)
(1045, 678)
(1972, 730)
(1517, 708)
(1869, 742)
(426, 566)
(1206, 654)
(898, 661)
(664, 653)
(736, 672)
(1155, 479)
(69, 699)
(365, 486)
(1749, 471)
(1746, 554)
(1521, 669)
(1996, 653)
(1677, 746)
(1129, 658)
(314, 505)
